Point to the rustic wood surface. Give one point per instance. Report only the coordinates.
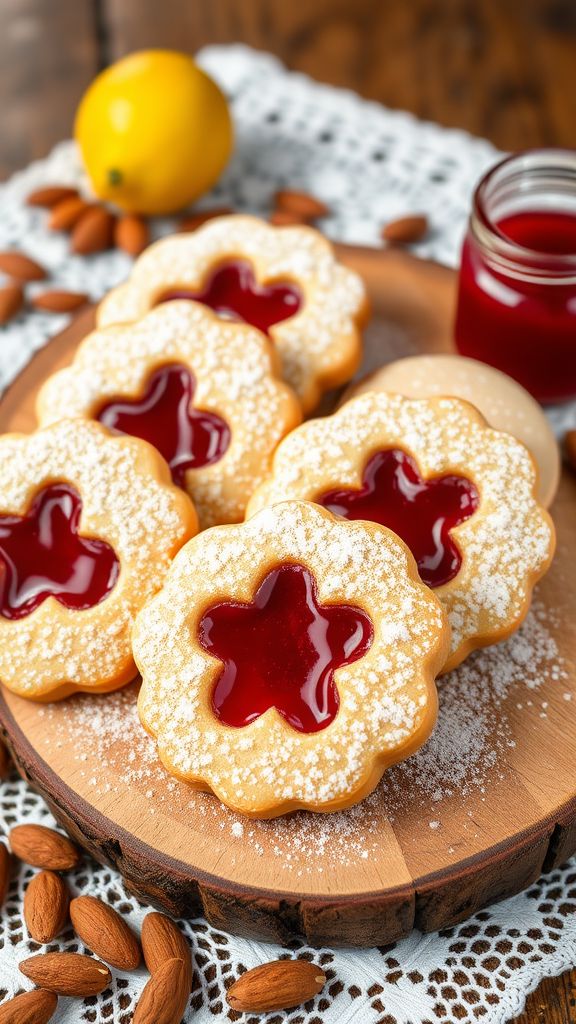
(495, 67)
(179, 852)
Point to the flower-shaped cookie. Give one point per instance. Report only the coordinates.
(88, 527)
(202, 390)
(285, 281)
(460, 494)
(288, 661)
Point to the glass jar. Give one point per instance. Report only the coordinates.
(517, 288)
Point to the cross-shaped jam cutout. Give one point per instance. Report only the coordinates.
(422, 512)
(233, 292)
(282, 650)
(187, 437)
(43, 555)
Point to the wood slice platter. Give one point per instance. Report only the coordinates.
(475, 816)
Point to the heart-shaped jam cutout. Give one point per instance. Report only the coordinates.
(187, 437)
(282, 650)
(422, 512)
(43, 555)
(233, 292)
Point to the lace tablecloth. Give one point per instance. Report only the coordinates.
(370, 165)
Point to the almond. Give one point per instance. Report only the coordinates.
(164, 997)
(46, 902)
(11, 302)
(93, 232)
(67, 974)
(277, 985)
(285, 218)
(104, 932)
(35, 1007)
(58, 301)
(50, 195)
(4, 872)
(570, 445)
(131, 234)
(406, 230)
(22, 267)
(5, 762)
(162, 940)
(195, 220)
(66, 214)
(43, 847)
(301, 204)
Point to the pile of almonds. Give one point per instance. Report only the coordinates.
(48, 910)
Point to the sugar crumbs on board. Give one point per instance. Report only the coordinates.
(466, 755)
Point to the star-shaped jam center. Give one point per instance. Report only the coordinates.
(43, 555)
(422, 512)
(282, 650)
(187, 437)
(233, 292)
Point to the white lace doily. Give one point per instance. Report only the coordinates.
(370, 165)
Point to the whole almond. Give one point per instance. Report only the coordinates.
(50, 195)
(5, 762)
(284, 218)
(35, 1007)
(570, 446)
(162, 940)
(11, 302)
(55, 301)
(104, 932)
(277, 985)
(195, 220)
(46, 902)
(4, 872)
(43, 847)
(67, 974)
(406, 230)
(164, 997)
(301, 204)
(131, 234)
(22, 267)
(66, 214)
(93, 232)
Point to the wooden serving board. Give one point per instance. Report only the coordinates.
(474, 817)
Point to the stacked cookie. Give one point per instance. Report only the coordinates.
(288, 590)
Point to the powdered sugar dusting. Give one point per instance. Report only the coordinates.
(318, 347)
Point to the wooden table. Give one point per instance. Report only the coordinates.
(499, 68)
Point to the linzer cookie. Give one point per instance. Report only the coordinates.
(88, 527)
(284, 281)
(460, 494)
(288, 661)
(202, 390)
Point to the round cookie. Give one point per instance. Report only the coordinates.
(289, 660)
(247, 270)
(502, 401)
(89, 525)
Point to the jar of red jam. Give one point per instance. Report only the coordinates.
(517, 290)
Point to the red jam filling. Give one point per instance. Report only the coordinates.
(233, 292)
(282, 651)
(187, 438)
(42, 555)
(422, 512)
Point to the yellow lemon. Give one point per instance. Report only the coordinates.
(154, 131)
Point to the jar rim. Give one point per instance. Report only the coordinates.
(561, 161)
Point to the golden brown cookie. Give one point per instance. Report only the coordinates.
(501, 400)
(88, 527)
(204, 391)
(288, 661)
(461, 494)
(284, 281)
